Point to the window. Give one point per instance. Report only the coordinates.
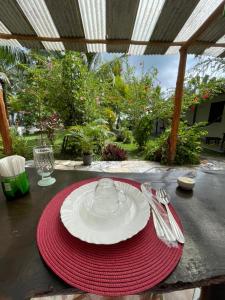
(216, 112)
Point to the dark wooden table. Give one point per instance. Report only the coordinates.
(23, 273)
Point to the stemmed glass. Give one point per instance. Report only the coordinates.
(44, 163)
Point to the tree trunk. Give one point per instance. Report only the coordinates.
(177, 106)
(5, 99)
(4, 126)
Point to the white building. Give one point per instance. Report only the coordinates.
(212, 112)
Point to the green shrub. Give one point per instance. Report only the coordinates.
(124, 135)
(154, 149)
(20, 145)
(75, 144)
(112, 152)
(97, 134)
(143, 130)
(110, 116)
(1, 148)
(86, 145)
(188, 145)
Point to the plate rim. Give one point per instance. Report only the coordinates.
(141, 200)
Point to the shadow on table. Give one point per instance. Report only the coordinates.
(183, 194)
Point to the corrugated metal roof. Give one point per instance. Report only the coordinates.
(13, 18)
(172, 18)
(212, 34)
(199, 15)
(93, 15)
(67, 19)
(214, 31)
(40, 19)
(147, 16)
(9, 43)
(140, 20)
(120, 18)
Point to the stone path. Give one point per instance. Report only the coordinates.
(179, 295)
(136, 166)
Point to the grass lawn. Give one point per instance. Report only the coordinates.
(25, 146)
(132, 151)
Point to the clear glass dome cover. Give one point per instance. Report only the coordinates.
(108, 201)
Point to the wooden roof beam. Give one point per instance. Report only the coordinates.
(217, 12)
(180, 82)
(107, 42)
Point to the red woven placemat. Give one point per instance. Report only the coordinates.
(125, 268)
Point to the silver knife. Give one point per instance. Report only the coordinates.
(167, 231)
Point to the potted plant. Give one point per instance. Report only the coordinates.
(87, 150)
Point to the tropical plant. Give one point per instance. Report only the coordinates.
(95, 135)
(124, 135)
(188, 145)
(112, 152)
(143, 130)
(20, 145)
(110, 117)
(13, 55)
(49, 124)
(10, 60)
(86, 144)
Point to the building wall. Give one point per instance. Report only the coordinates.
(214, 129)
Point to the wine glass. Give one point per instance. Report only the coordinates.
(44, 163)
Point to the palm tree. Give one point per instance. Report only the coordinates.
(9, 58)
(13, 54)
(91, 60)
(4, 125)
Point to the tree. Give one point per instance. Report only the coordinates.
(9, 57)
(128, 96)
(4, 125)
(199, 90)
(210, 65)
(78, 91)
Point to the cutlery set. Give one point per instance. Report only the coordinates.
(165, 224)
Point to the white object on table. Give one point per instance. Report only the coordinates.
(12, 165)
(186, 183)
(4, 169)
(158, 228)
(162, 197)
(168, 234)
(82, 222)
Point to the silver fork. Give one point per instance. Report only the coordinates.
(163, 198)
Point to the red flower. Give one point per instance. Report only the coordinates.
(205, 96)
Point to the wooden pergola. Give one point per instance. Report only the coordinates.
(21, 24)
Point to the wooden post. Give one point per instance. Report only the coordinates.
(4, 126)
(177, 105)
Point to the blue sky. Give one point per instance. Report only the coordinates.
(167, 66)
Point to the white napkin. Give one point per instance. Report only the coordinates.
(12, 165)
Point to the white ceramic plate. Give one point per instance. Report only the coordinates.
(83, 224)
